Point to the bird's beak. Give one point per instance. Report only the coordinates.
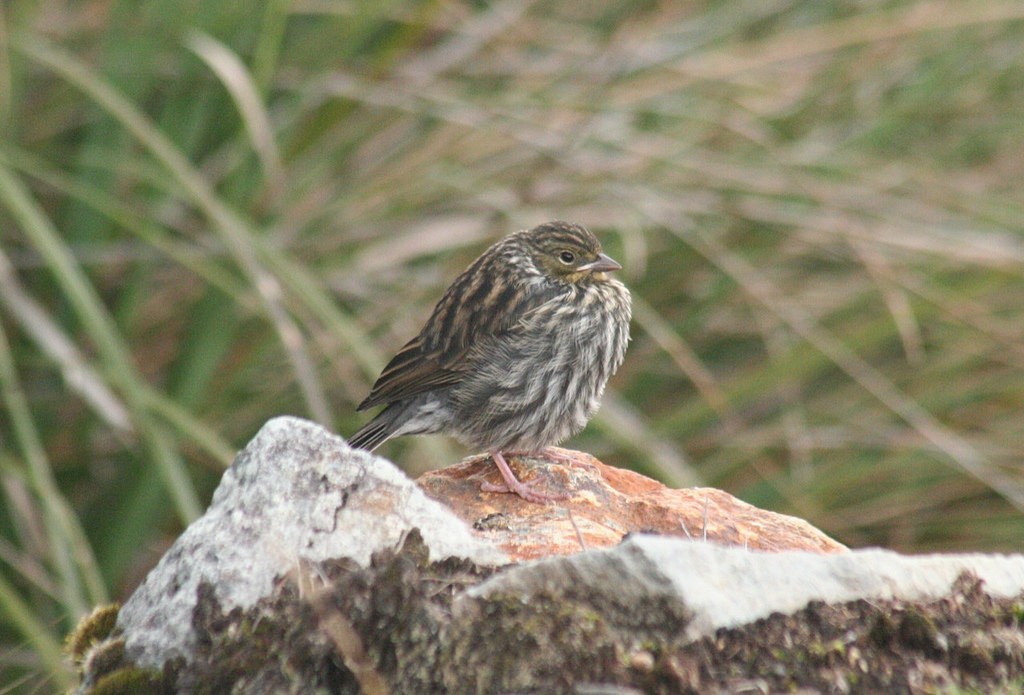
(603, 264)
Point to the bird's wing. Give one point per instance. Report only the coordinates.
(440, 355)
(412, 371)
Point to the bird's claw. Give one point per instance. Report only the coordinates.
(553, 454)
(512, 484)
(527, 491)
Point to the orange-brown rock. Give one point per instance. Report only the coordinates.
(603, 504)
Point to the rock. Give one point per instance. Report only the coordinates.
(296, 494)
(674, 616)
(722, 587)
(605, 505)
(649, 615)
(322, 569)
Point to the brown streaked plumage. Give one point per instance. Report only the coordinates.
(516, 354)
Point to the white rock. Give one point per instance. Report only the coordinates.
(295, 493)
(722, 586)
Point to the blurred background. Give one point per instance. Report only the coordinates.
(213, 213)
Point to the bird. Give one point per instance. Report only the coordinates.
(515, 356)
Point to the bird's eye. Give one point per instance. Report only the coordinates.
(567, 257)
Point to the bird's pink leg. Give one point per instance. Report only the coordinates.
(552, 454)
(513, 484)
(565, 459)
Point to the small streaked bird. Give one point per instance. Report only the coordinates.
(515, 356)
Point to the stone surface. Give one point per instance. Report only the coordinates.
(605, 504)
(322, 569)
(295, 494)
(723, 587)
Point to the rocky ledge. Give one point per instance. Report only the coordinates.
(322, 569)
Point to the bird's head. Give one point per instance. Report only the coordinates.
(569, 253)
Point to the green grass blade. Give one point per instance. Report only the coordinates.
(239, 238)
(97, 322)
(45, 647)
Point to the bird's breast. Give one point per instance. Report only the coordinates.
(541, 382)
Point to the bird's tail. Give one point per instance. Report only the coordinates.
(375, 432)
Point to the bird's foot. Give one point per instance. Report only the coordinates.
(513, 484)
(566, 459)
(551, 453)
